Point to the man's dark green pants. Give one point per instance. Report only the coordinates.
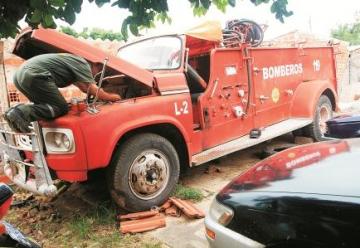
(40, 88)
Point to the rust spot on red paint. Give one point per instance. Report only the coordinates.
(188, 208)
(142, 225)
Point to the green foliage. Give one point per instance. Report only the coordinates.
(143, 13)
(69, 31)
(188, 193)
(94, 33)
(36, 12)
(348, 32)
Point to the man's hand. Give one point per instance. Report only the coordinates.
(91, 88)
(114, 97)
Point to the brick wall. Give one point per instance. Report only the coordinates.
(350, 81)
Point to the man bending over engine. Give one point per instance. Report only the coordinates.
(39, 79)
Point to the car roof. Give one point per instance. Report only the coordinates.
(329, 168)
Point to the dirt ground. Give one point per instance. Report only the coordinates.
(84, 216)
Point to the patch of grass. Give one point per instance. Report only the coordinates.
(104, 214)
(187, 193)
(153, 245)
(81, 226)
(108, 239)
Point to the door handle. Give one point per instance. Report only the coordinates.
(263, 98)
(290, 92)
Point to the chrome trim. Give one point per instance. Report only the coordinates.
(245, 141)
(174, 92)
(14, 166)
(214, 88)
(186, 59)
(65, 131)
(31, 184)
(13, 133)
(18, 147)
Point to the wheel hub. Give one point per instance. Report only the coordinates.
(149, 174)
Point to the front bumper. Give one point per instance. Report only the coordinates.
(17, 170)
(224, 237)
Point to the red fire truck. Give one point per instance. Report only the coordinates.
(186, 99)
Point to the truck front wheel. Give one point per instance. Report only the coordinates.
(323, 113)
(143, 172)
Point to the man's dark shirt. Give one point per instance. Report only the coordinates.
(64, 68)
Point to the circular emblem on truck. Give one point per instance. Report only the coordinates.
(275, 95)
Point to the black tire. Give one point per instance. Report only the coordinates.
(136, 165)
(314, 130)
(298, 132)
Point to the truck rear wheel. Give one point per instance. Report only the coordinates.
(323, 113)
(143, 172)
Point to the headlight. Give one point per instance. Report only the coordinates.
(58, 140)
(221, 213)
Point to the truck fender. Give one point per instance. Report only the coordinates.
(307, 95)
(119, 132)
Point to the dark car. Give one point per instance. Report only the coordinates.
(306, 196)
(345, 126)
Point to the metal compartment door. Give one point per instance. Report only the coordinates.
(224, 102)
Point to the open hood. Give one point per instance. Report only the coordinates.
(30, 43)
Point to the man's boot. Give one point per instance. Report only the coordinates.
(17, 120)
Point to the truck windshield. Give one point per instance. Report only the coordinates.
(154, 54)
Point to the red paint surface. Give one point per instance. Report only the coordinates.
(4, 179)
(5, 207)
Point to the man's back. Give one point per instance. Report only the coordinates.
(64, 68)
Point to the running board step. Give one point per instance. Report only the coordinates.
(268, 133)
